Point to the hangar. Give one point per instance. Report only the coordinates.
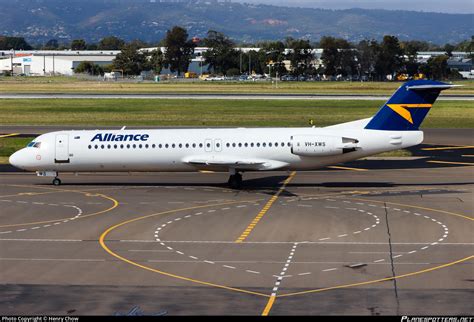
(53, 63)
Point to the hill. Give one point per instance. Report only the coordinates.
(41, 20)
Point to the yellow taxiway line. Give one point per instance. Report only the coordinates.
(455, 163)
(346, 168)
(269, 305)
(449, 148)
(264, 210)
(9, 135)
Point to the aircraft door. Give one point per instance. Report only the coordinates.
(62, 148)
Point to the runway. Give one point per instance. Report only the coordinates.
(209, 96)
(384, 241)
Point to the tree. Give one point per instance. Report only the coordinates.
(130, 60)
(156, 61)
(275, 55)
(436, 67)
(89, 68)
(410, 50)
(52, 44)
(15, 43)
(179, 50)
(389, 58)
(339, 58)
(78, 44)
(221, 55)
(110, 43)
(301, 56)
(448, 48)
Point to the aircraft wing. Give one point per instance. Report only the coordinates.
(234, 163)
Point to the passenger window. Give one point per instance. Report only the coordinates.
(240, 145)
(246, 144)
(173, 145)
(227, 145)
(121, 146)
(233, 145)
(200, 145)
(258, 145)
(146, 146)
(270, 144)
(180, 145)
(115, 146)
(102, 146)
(96, 147)
(140, 146)
(109, 146)
(90, 147)
(128, 146)
(251, 145)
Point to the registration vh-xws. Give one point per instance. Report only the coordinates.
(234, 150)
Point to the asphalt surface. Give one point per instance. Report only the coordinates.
(351, 97)
(387, 240)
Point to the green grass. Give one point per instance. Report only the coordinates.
(10, 145)
(75, 85)
(396, 153)
(142, 112)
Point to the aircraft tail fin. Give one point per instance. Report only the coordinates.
(408, 107)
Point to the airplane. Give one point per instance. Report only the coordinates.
(234, 150)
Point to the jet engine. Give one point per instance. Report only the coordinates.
(322, 145)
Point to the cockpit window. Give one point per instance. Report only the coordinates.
(34, 145)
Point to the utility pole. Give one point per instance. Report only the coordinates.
(12, 52)
(250, 63)
(240, 50)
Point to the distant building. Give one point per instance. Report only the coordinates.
(45, 63)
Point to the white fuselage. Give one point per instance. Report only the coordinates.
(241, 149)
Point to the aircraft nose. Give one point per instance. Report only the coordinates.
(16, 159)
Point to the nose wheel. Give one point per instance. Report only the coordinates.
(235, 181)
(56, 182)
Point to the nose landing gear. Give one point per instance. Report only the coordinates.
(235, 181)
(56, 180)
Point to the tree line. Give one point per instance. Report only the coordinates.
(370, 59)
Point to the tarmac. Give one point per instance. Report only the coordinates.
(386, 236)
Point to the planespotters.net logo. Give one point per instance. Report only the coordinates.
(437, 319)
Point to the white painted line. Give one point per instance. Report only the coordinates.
(302, 274)
(345, 235)
(253, 272)
(379, 260)
(329, 270)
(193, 257)
(227, 266)
(209, 262)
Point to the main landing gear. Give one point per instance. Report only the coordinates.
(235, 181)
(56, 181)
